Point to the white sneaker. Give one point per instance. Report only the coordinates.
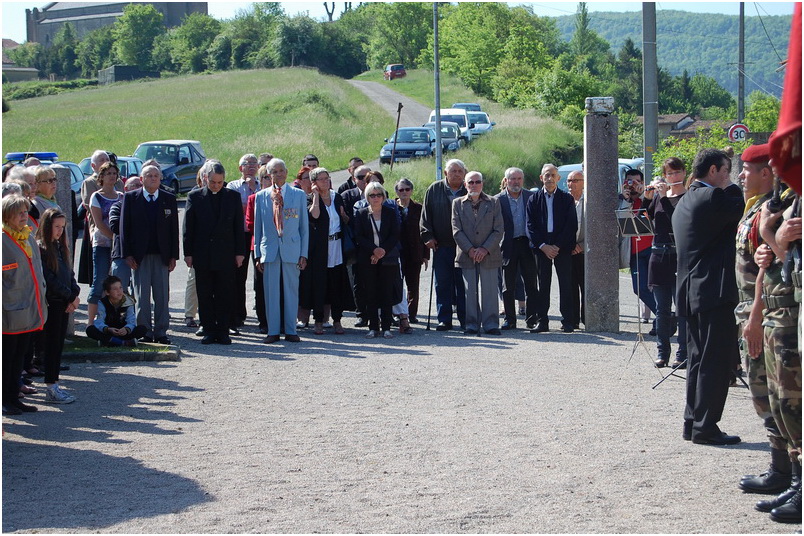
(54, 395)
(387, 335)
(371, 334)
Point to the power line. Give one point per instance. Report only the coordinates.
(757, 83)
(766, 32)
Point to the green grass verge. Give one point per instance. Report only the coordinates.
(521, 138)
(85, 345)
(288, 112)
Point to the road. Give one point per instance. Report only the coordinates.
(413, 114)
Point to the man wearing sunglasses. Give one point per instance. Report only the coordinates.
(350, 183)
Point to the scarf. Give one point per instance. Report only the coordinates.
(21, 238)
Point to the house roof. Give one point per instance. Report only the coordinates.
(8, 44)
(668, 119)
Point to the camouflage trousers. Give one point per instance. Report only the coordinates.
(783, 368)
(758, 385)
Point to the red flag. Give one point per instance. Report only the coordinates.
(785, 143)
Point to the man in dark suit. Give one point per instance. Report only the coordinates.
(149, 239)
(215, 245)
(704, 226)
(552, 226)
(350, 183)
(516, 253)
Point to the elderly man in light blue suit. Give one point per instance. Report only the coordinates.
(280, 247)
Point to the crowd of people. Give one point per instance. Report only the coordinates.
(319, 252)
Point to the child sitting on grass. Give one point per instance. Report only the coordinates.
(115, 323)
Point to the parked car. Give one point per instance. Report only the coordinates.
(624, 164)
(468, 106)
(43, 156)
(455, 115)
(411, 142)
(482, 123)
(451, 137)
(180, 161)
(130, 166)
(394, 70)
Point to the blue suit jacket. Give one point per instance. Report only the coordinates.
(295, 237)
(565, 220)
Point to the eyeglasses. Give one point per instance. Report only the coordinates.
(361, 177)
(403, 189)
(47, 181)
(375, 195)
(250, 163)
(574, 180)
(474, 182)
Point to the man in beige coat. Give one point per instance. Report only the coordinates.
(477, 227)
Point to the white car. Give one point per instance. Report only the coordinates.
(482, 123)
(455, 115)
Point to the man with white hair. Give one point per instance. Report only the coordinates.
(280, 248)
(149, 241)
(436, 230)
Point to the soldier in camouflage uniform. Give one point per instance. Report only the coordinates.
(757, 181)
(782, 298)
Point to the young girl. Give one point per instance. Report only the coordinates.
(115, 324)
(62, 297)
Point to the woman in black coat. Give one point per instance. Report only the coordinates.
(377, 237)
(326, 268)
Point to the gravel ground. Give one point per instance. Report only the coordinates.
(426, 433)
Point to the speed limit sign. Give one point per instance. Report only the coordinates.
(738, 132)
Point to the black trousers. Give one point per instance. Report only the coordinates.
(216, 290)
(522, 261)
(98, 335)
(411, 272)
(333, 294)
(378, 288)
(353, 271)
(14, 348)
(54, 333)
(259, 294)
(563, 264)
(711, 347)
(578, 291)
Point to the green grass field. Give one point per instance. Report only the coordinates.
(287, 112)
(521, 138)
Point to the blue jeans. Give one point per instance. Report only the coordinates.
(640, 260)
(101, 263)
(665, 296)
(449, 285)
(121, 269)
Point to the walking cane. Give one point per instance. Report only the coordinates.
(430, 308)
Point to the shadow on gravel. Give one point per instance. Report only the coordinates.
(58, 487)
(92, 489)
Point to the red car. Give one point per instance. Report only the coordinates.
(395, 70)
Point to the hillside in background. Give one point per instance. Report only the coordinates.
(702, 43)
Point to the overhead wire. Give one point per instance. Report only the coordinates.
(756, 6)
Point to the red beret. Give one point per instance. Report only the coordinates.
(756, 154)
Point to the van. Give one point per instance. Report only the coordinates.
(455, 115)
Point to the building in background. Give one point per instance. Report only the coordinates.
(43, 24)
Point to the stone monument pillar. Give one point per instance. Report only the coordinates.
(601, 247)
(64, 197)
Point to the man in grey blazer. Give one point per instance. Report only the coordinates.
(517, 257)
(477, 227)
(280, 248)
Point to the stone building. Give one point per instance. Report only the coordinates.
(43, 24)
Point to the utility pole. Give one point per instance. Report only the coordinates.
(437, 82)
(650, 86)
(741, 68)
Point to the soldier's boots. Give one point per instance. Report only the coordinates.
(786, 495)
(773, 481)
(789, 512)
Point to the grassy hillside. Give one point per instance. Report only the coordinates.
(521, 138)
(702, 43)
(288, 112)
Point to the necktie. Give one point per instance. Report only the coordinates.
(150, 198)
(279, 204)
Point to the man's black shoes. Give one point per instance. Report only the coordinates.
(508, 325)
(541, 327)
(443, 326)
(715, 438)
(208, 339)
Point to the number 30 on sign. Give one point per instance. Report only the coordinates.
(738, 132)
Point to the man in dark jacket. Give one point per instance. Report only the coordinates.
(215, 245)
(552, 228)
(436, 229)
(704, 226)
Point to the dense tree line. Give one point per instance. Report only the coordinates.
(507, 54)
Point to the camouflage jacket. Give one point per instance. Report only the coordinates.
(748, 240)
(783, 313)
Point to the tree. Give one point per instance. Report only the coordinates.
(191, 40)
(763, 112)
(28, 54)
(707, 92)
(399, 32)
(557, 88)
(292, 39)
(63, 52)
(95, 51)
(134, 34)
(687, 148)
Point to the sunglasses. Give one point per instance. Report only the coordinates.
(376, 195)
(47, 181)
(403, 189)
(361, 177)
